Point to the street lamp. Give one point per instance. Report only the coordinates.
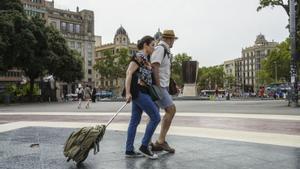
(275, 71)
(294, 80)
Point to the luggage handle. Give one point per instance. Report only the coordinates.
(121, 108)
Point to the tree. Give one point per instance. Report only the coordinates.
(285, 6)
(264, 78)
(106, 66)
(112, 67)
(11, 16)
(209, 77)
(177, 67)
(65, 64)
(229, 81)
(123, 60)
(12, 5)
(276, 63)
(33, 43)
(29, 45)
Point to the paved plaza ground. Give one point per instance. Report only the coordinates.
(206, 134)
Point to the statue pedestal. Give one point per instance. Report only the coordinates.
(189, 90)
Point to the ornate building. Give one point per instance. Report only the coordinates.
(229, 70)
(121, 40)
(245, 69)
(250, 62)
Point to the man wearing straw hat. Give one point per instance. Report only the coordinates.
(161, 63)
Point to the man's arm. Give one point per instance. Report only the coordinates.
(155, 69)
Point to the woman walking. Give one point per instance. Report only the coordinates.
(138, 77)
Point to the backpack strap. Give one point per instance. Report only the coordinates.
(166, 51)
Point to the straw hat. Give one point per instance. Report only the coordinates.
(169, 34)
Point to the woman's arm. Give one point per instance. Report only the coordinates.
(130, 70)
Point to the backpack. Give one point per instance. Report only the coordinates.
(79, 143)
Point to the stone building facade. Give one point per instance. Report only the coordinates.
(250, 62)
(120, 40)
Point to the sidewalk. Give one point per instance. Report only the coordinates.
(191, 152)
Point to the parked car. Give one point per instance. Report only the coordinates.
(104, 94)
(72, 97)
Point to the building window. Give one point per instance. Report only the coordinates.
(78, 45)
(72, 44)
(89, 46)
(89, 79)
(89, 71)
(111, 83)
(90, 55)
(89, 63)
(77, 28)
(63, 26)
(71, 28)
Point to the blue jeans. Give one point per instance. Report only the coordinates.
(142, 103)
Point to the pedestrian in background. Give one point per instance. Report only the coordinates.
(80, 93)
(94, 95)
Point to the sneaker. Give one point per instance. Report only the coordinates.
(133, 154)
(148, 153)
(164, 146)
(155, 148)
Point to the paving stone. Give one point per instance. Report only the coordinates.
(191, 152)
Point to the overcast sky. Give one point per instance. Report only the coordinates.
(210, 31)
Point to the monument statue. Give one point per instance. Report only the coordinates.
(189, 72)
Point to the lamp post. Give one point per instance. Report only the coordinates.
(275, 63)
(294, 80)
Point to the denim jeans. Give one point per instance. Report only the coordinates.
(142, 103)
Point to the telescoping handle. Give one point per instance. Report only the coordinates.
(121, 108)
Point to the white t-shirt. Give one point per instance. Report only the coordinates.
(165, 63)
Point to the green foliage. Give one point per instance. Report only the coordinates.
(65, 64)
(272, 3)
(177, 67)
(209, 77)
(229, 81)
(279, 59)
(22, 90)
(113, 66)
(11, 6)
(11, 19)
(31, 46)
(285, 6)
(264, 78)
(123, 60)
